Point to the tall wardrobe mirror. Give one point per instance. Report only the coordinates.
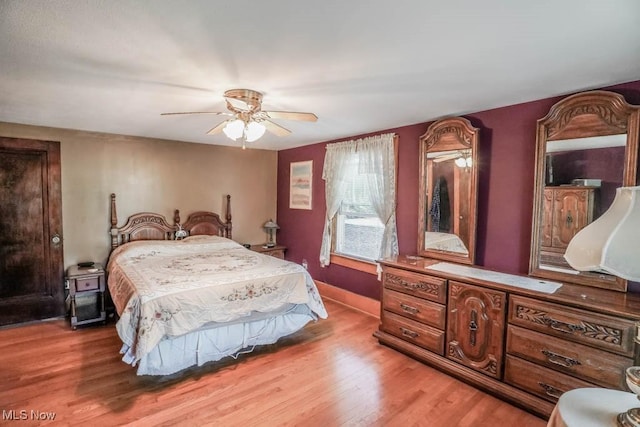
(587, 146)
(448, 191)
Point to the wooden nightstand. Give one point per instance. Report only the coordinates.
(277, 251)
(86, 291)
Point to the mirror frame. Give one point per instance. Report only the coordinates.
(594, 113)
(437, 138)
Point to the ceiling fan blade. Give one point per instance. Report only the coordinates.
(218, 113)
(275, 128)
(217, 128)
(291, 115)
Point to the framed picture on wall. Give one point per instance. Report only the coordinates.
(300, 185)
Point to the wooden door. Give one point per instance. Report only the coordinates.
(476, 322)
(572, 212)
(31, 265)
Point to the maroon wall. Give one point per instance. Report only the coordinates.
(505, 195)
(591, 163)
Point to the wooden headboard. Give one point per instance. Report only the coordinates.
(152, 226)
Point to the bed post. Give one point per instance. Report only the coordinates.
(228, 216)
(114, 222)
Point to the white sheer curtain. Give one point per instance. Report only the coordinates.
(336, 174)
(376, 159)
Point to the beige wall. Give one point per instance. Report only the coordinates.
(153, 175)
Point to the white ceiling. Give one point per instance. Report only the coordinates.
(360, 65)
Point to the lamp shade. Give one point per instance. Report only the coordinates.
(234, 129)
(254, 131)
(612, 242)
(271, 225)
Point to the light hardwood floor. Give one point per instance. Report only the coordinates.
(332, 373)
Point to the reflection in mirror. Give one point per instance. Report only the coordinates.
(584, 153)
(448, 154)
(581, 176)
(444, 229)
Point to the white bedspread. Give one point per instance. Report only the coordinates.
(169, 288)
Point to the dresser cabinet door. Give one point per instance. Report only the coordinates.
(572, 211)
(476, 321)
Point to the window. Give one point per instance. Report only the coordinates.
(358, 229)
(360, 191)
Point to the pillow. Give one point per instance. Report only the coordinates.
(204, 238)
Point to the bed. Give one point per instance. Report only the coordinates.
(199, 297)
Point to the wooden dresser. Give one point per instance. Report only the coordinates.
(525, 346)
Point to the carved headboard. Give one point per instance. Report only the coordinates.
(152, 226)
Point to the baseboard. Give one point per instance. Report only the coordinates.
(342, 296)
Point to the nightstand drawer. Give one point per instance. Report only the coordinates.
(277, 253)
(87, 284)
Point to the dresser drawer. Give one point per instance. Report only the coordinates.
(596, 330)
(542, 382)
(87, 284)
(590, 364)
(414, 308)
(419, 285)
(425, 336)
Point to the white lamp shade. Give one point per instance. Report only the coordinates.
(612, 242)
(234, 129)
(254, 131)
(271, 225)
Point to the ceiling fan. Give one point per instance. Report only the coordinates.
(247, 119)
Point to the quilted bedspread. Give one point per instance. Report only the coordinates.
(169, 288)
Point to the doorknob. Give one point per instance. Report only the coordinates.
(56, 239)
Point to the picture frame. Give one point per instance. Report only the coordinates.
(301, 185)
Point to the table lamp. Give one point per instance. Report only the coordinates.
(270, 228)
(611, 244)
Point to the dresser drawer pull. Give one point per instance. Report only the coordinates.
(409, 333)
(564, 327)
(408, 309)
(473, 327)
(413, 286)
(550, 390)
(559, 359)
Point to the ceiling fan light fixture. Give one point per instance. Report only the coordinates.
(234, 129)
(460, 162)
(248, 120)
(253, 131)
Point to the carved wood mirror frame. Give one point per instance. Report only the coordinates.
(449, 138)
(583, 115)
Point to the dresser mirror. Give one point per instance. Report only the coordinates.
(448, 191)
(587, 146)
